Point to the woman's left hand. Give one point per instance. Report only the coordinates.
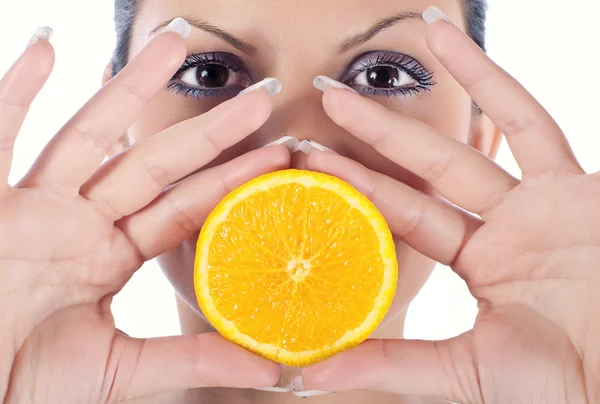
(531, 256)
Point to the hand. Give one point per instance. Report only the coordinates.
(73, 232)
(531, 256)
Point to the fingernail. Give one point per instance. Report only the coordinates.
(298, 389)
(307, 146)
(42, 33)
(274, 389)
(433, 14)
(323, 83)
(179, 26)
(271, 85)
(292, 144)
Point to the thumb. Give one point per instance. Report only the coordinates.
(438, 369)
(141, 367)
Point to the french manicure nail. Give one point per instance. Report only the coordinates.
(292, 144)
(298, 389)
(179, 26)
(433, 14)
(323, 83)
(307, 146)
(42, 33)
(274, 389)
(271, 85)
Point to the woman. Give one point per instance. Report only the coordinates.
(73, 232)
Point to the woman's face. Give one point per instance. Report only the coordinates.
(377, 47)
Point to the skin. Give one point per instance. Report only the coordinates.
(530, 257)
(298, 112)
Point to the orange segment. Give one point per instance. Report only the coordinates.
(295, 266)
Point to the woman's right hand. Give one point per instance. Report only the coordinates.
(73, 232)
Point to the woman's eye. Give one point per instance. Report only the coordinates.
(384, 77)
(211, 75)
(387, 73)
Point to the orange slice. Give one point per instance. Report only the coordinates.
(295, 266)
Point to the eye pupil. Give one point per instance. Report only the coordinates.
(212, 75)
(383, 76)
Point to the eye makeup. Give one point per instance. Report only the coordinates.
(386, 73)
(375, 73)
(211, 74)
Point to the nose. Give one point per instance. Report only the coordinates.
(298, 112)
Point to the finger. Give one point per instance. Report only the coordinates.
(460, 173)
(75, 153)
(444, 370)
(429, 225)
(538, 144)
(18, 89)
(145, 367)
(179, 212)
(134, 178)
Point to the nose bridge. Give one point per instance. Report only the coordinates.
(298, 112)
(298, 109)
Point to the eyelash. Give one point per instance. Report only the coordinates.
(405, 63)
(226, 60)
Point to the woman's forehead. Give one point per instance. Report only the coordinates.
(289, 18)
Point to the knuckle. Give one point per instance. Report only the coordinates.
(412, 223)
(135, 93)
(458, 362)
(9, 104)
(477, 82)
(517, 125)
(454, 385)
(492, 200)
(157, 174)
(383, 135)
(210, 142)
(60, 189)
(109, 210)
(435, 170)
(487, 73)
(7, 144)
(93, 136)
(182, 218)
(226, 185)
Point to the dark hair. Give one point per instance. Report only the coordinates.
(125, 11)
(475, 12)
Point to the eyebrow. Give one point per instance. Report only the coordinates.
(376, 28)
(346, 45)
(219, 33)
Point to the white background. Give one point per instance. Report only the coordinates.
(550, 46)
